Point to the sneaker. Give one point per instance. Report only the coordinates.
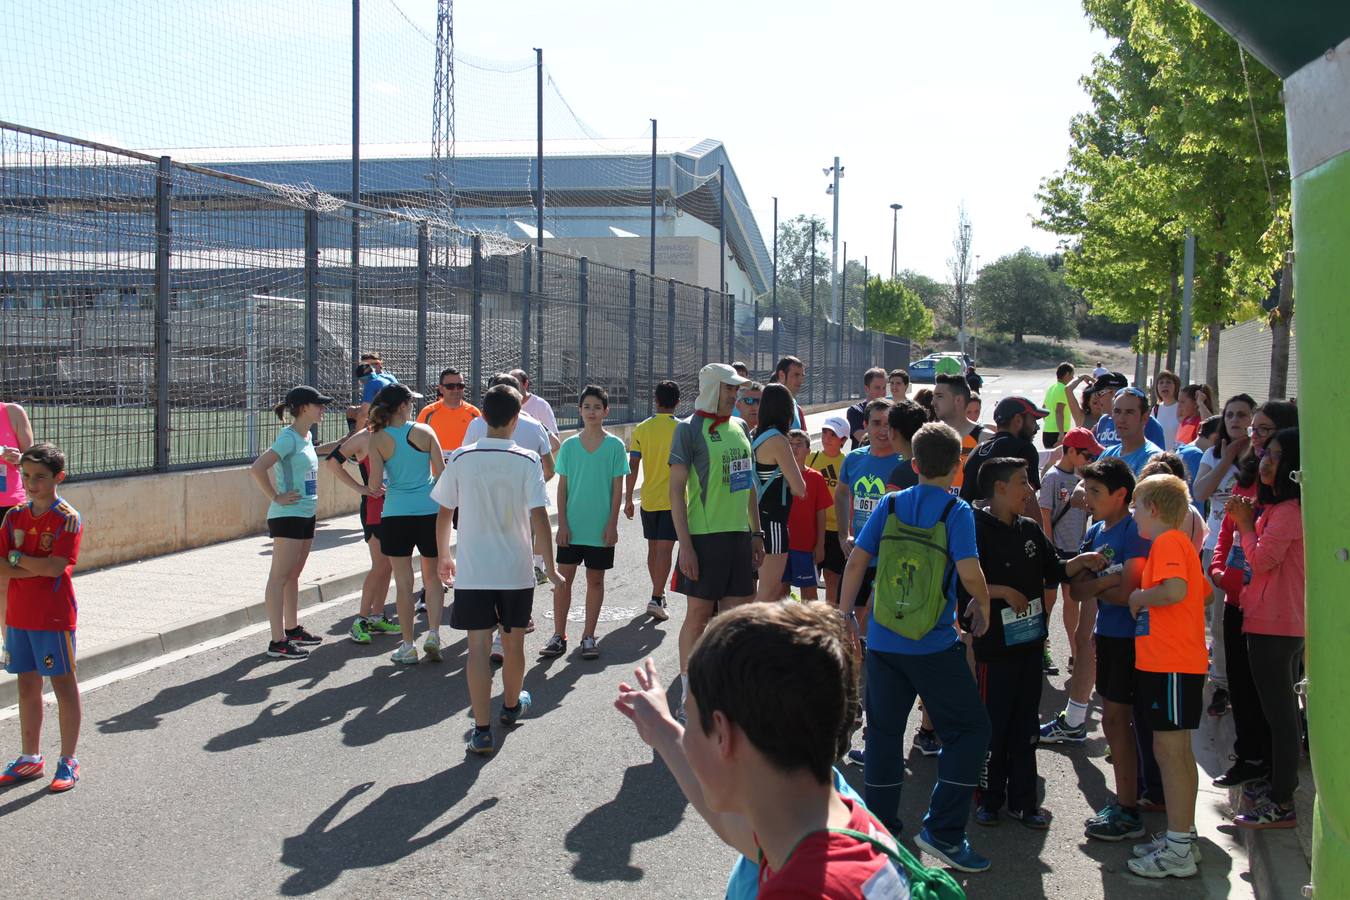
(1115, 824)
(298, 635)
(1162, 863)
(986, 817)
(382, 624)
(1267, 814)
(656, 608)
(480, 742)
(927, 743)
(540, 576)
(512, 716)
(1160, 841)
(360, 631)
(856, 756)
(405, 655)
(1243, 772)
(1148, 804)
(681, 716)
(1048, 666)
(21, 771)
(496, 655)
(1254, 794)
(432, 646)
(1218, 704)
(556, 646)
(67, 773)
(529, 627)
(958, 856)
(1070, 665)
(589, 648)
(1059, 731)
(286, 649)
(421, 601)
(1037, 819)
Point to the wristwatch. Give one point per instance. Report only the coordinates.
(14, 556)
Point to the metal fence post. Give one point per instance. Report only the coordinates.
(423, 276)
(632, 345)
(811, 353)
(670, 329)
(527, 260)
(537, 373)
(163, 299)
(312, 293)
(476, 314)
(729, 323)
(754, 335)
(706, 293)
(583, 323)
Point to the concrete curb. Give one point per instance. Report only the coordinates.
(1278, 867)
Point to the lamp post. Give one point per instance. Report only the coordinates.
(832, 189)
(895, 236)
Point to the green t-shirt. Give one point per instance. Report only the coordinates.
(1058, 424)
(590, 479)
(720, 474)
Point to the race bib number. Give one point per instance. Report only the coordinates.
(739, 475)
(312, 483)
(1141, 624)
(865, 505)
(1023, 627)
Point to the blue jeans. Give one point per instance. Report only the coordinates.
(949, 694)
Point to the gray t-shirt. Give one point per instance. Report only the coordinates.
(1056, 488)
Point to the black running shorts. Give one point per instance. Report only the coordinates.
(399, 535)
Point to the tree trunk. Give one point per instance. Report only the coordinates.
(1280, 319)
(1212, 361)
(1172, 317)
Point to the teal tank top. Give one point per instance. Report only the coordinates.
(408, 479)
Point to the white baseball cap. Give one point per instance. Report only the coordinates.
(839, 425)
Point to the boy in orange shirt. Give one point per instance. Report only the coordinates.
(1170, 663)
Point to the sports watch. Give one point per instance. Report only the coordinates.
(14, 556)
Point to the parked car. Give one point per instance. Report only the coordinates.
(923, 371)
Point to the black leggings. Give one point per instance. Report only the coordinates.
(1277, 660)
(1249, 721)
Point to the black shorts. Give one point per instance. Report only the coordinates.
(1050, 439)
(375, 531)
(1169, 701)
(775, 536)
(834, 554)
(598, 558)
(1115, 668)
(293, 527)
(400, 534)
(658, 525)
(725, 567)
(480, 610)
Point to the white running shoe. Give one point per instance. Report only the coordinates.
(405, 655)
(1162, 863)
(432, 646)
(1160, 841)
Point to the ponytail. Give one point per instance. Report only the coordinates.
(379, 416)
(280, 410)
(386, 403)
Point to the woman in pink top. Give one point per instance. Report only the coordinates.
(1273, 619)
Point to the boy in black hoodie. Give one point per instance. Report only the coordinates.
(1019, 563)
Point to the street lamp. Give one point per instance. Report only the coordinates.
(895, 235)
(833, 190)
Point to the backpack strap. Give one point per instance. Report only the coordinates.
(950, 576)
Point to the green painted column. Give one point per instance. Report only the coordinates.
(1317, 100)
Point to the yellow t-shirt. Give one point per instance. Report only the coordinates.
(829, 466)
(651, 443)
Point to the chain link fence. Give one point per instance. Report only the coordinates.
(153, 312)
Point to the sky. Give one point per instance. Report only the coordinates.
(927, 105)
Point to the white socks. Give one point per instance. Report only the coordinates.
(1075, 714)
(1179, 842)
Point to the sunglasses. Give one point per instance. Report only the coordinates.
(453, 387)
(749, 401)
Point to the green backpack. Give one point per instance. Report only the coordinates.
(914, 570)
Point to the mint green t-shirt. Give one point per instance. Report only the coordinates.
(590, 478)
(297, 470)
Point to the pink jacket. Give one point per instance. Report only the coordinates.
(1273, 602)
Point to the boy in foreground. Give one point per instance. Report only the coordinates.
(757, 762)
(913, 648)
(1170, 665)
(39, 554)
(498, 489)
(1019, 563)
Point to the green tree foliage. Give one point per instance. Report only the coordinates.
(1020, 294)
(1171, 142)
(934, 294)
(895, 309)
(794, 266)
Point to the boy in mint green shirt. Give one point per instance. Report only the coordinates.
(591, 468)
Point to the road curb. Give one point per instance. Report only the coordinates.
(1276, 862)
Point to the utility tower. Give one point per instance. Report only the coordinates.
(443, 113)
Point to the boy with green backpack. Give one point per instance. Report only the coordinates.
(923, 539)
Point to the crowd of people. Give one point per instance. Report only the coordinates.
(1166, 529)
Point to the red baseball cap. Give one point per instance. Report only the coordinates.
(1082, 439)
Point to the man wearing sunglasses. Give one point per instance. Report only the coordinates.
(449, 416)
(747, 404)
(1129, 413)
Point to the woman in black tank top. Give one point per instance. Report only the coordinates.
(778, 478)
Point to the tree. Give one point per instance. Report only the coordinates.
(934, 294)
(1020, 294)
(895, 309)
(794, 265)
(959, 266)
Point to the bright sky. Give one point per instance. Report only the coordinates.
(928, 105)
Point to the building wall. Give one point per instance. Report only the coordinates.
(1244, 361)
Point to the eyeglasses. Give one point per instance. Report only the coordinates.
(1262, 430)
(453, 387)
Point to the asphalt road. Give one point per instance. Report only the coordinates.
(226, 774)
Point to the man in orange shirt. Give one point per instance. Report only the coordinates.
(1170, 663)
(449, 416)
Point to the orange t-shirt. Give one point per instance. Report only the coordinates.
(449, 424)
(968, 444)
(1175, 641)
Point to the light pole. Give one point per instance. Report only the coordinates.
(895, 236)
(833, 190)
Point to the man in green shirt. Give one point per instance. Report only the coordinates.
(715, 509)
(1060, 419)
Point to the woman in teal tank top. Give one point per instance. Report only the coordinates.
(406, 458)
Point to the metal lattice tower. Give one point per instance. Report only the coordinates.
(443, 112)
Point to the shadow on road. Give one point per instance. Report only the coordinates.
(649, 805)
